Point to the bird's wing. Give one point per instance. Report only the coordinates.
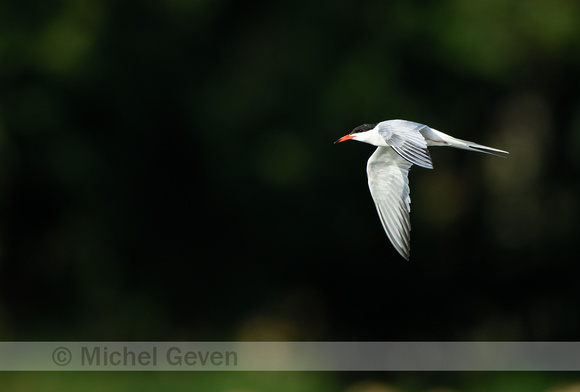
(406, 139)
(388, 181)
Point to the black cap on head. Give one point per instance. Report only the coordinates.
(363, 128)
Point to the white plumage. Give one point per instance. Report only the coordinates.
(401, 144)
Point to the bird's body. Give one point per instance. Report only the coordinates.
(401, 144)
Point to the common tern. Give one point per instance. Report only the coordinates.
(401, 144)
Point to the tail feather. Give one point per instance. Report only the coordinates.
(467, 145)
(437, 138)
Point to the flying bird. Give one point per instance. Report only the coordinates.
(401, 144)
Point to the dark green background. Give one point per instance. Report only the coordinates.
(167, 172)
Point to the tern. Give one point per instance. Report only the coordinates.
(401, 144)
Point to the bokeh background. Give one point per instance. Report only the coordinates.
(167, 172)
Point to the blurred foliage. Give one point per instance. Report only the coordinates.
(168, 171)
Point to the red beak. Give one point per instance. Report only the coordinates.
(344, 138)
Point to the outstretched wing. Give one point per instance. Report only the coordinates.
(388, 181)
(406, 139)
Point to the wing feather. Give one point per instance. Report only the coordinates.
(389, 185)
(406, 139)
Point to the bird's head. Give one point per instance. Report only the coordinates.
(366, 133)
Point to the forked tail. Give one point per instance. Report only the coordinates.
(467, 145)
(436, 138)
